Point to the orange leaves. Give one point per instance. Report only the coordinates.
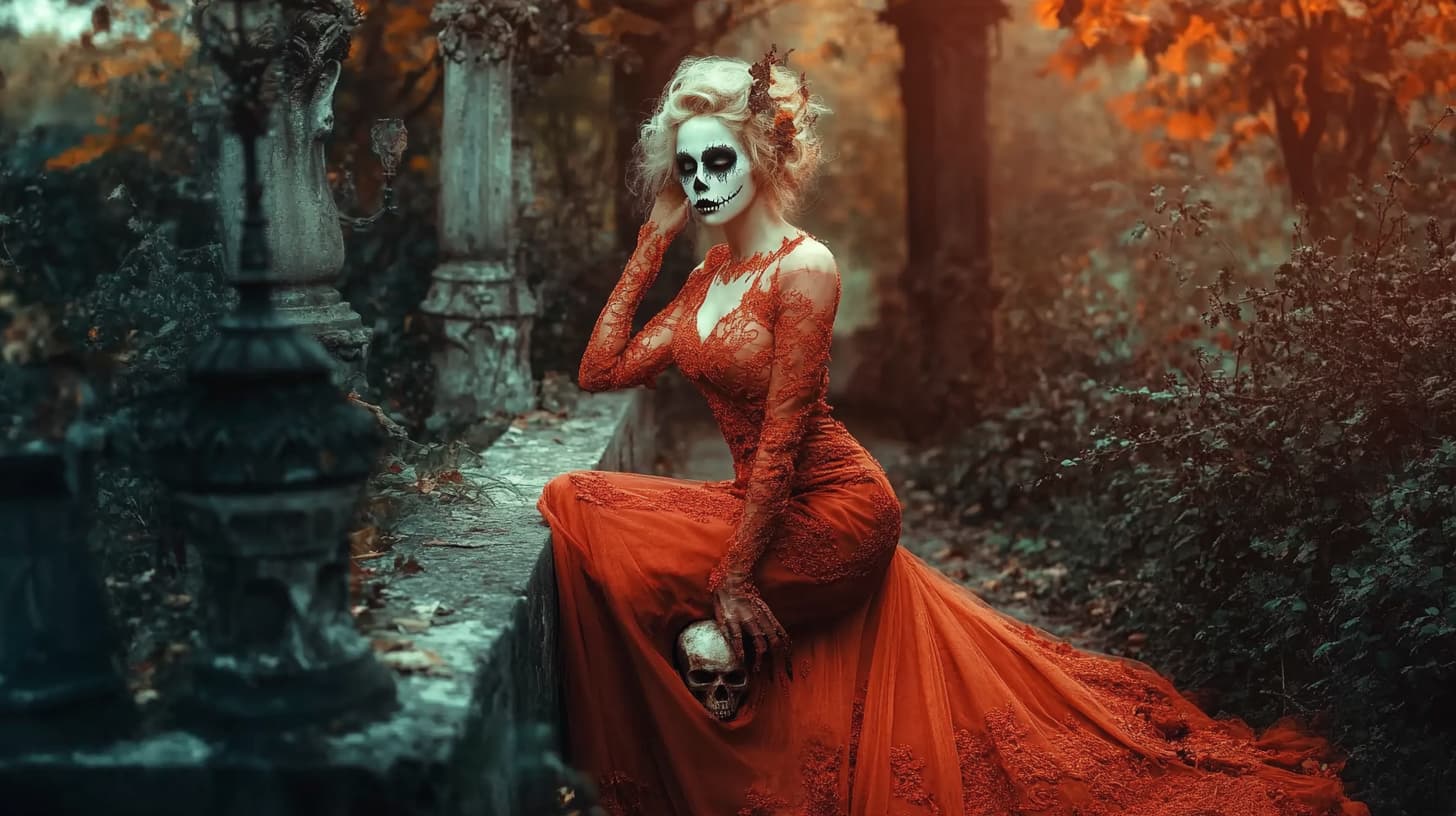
(1244, 129)
(1189, 126)
(1046, 12)
(1215, 67)
(1135, 114)
(408, 39)
(1196, 46)
(95, 145)
(1065, 64)
(162, 49)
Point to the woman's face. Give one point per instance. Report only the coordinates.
(713, 169)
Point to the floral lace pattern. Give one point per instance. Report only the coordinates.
(1004, 772)
(1077, 733)
(712, 501)
(614, 358)
(763, 370)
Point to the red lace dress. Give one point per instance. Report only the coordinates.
(910, 695)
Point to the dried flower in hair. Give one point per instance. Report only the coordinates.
(759, 99)
(783, 132)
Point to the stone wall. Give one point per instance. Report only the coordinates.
(466, 616)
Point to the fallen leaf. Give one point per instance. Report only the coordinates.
(415, 661)
(383, 645)
(365, 540)
(411, 626)
(408, 566)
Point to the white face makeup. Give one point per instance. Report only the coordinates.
(713, 169)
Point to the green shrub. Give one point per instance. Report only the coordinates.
(1275, 513)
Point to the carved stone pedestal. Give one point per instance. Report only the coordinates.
(482, 309)
(482, 357)
(322, 312)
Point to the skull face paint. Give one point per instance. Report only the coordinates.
(714, 170)
(710, 671)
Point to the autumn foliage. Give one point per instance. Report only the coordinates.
(1331, 83)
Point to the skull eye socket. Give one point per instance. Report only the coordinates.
(737, 677)
(719, 159)
(701, 676)
(685, 165)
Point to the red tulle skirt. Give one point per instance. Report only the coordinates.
(910, 695)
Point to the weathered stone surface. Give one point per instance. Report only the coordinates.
(305, 241)
(481, 308)
(468, 616)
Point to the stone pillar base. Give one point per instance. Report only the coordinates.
(322, 312)
(482, 315)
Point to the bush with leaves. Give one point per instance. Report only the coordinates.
(1275, 518)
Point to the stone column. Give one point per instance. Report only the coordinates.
(483, 310)
(303, 233)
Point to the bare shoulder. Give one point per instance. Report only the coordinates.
(810, 265)
(810, 255)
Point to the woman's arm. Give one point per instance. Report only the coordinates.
(807, 299)
(614, 358)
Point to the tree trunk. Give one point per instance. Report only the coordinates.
(939, 324)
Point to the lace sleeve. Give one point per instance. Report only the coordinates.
(803, 324)
(614, 359)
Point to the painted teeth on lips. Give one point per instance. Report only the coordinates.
(708, 205)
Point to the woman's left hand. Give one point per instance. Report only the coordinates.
(745, 618)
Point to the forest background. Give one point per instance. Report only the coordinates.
(1221, 439)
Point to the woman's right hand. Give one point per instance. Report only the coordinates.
(670, 209)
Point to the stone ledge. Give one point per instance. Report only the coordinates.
(476, 609)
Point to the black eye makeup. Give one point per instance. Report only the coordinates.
(686, 166)
(719, 160)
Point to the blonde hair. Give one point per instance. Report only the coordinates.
(719, 86)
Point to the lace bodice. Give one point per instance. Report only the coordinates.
(763, 369)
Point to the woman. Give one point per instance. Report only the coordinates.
(875, 685)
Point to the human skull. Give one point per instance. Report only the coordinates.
(710, 670)
(713, 168)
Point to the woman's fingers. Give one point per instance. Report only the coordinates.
(762, 647)
(735, 634)
(728, 627)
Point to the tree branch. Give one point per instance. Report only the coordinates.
(656, 9)
(728, 20)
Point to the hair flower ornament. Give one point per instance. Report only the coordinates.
(761, 101)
